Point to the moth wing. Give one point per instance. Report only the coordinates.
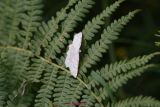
(72, 59)
(77, 41)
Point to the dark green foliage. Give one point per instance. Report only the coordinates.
(32, 54)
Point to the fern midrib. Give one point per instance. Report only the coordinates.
(53, 64)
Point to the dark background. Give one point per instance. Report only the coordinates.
(136, 39)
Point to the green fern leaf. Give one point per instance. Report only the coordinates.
(45, 93)
(17, 66)
(3, 90)
(30, 21)
(20, 101)
(139, 101)
(92, 27)
(10, 20)
(36, 70)
(47, 30)
(113, 76)
(70, 23)
(95, 52)
(67, 91)
(38, 77)
(122, 79)
(112, 70)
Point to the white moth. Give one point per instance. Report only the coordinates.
(72, 59)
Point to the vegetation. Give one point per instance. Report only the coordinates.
(32, 54)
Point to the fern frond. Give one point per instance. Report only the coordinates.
(88, 100)
(112, 70)
(62, 14)
(113, 76)
(3, 90)
(36, 69)
(158, 35)
(67, 90)
(37, 77)
(30, 21)
(104, 89)
(92, 27)
(11, 18)
(129, 17)
(138, 101)
(116, 82)
(103, 92)
(47, 30)
(43, 35)
(44, 96)
(20, 101)
(17, 63)
(71, 3)
(70, 23)
(95, 52)
(18, 71)
(16, 66)
(77, 14)
(2, 16)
